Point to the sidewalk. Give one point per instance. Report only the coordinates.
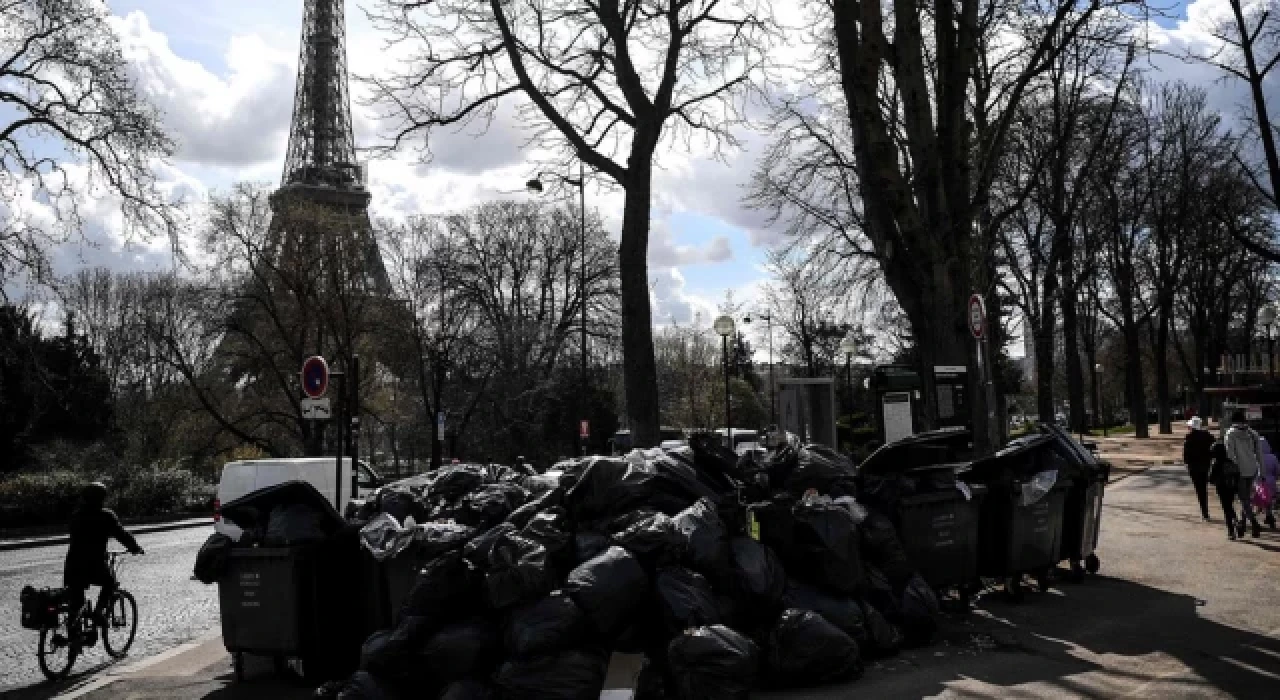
(1129, 455)
(1160, 620)
(7, 544)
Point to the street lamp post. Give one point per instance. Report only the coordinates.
(849, 346)
(535, 185)
(1102, 403)
(773, 388)
(724, 327)
(1268, 319)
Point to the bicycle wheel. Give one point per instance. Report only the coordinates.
(119, 624)
(56, 653)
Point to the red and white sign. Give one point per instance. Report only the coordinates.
(977, 316)
(584, 429)
(315, 376)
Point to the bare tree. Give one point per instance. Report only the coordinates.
(604, 82)
(74, 127)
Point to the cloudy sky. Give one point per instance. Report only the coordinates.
(223, 73)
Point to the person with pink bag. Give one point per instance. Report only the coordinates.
(1264, 488)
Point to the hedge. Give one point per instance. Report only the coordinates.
(48, 498)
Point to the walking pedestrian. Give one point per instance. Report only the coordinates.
(1224, 475)
(1270, 472)
(1244, 448)
(1195, 454)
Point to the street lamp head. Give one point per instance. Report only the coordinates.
(534, 185)
(1267, 315)
(724, 326)
(849, 346)
(1098, 368)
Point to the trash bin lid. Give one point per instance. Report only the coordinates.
(1070, 450)
(941, 446)
(258, 504)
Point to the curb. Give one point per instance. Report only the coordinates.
(10, 545)
(123, 673)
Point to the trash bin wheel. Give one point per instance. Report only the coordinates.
(1042, 580)
(1013, 588)
(1077, 572)
(281, 665)
(1091, 563)
(237, 665)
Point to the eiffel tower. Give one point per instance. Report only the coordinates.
(318, 282)
(320, 167)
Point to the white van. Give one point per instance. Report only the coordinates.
(244, 477)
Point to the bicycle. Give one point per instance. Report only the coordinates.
(118, 622)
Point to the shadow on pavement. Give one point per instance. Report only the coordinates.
(1103, 638)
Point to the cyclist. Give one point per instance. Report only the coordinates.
(92, 525)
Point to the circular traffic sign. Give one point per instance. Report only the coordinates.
(977, 316)
(315, 376)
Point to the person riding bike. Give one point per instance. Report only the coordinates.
(92, 525)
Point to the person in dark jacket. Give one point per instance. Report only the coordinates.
(1195, 454)
(92, 525)
(1225, 476)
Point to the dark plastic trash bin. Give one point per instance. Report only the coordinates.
(939, 532)
(1017, 536)
(266, 601)
(1086, 478)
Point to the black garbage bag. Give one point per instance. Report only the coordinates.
(536, 504)
(610, 486)
(882, 549)
(823, 469)
(547, 626)
(609, 588)
(365, 686)
(712, 457)
(489, 505)
(518, 571)
(756, 575)
(469, 689)
(803, 649)
(445, 590)
(644, 631)
(825, 549)
(843, 612)
(393, 654)
(881, 594)
(686, 599)
(294, 523)
(477, 551)
(570, 675)
(455, 481)
(588, 545)
(549, 529)
(706, 540)
(712, 663)
(211, 561)
(654, 537)
(461, 650)
(679, 478)
(919, 612)
(651, 682)
(883, 637)
(398, 504)
(435, 539)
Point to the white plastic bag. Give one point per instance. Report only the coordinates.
(1039, 485)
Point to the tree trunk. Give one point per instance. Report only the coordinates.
(1135, 393)
(639, 368)
(1094, 399)
(1162, 373)
(1071, 344)
(1044, 363)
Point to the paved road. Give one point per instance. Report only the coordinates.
(172, 608)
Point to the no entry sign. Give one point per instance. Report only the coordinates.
(315, 376)
(977, 316)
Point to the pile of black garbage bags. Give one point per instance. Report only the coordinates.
(726, 574)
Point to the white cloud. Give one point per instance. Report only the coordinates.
(238, 120)
(673, 304)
